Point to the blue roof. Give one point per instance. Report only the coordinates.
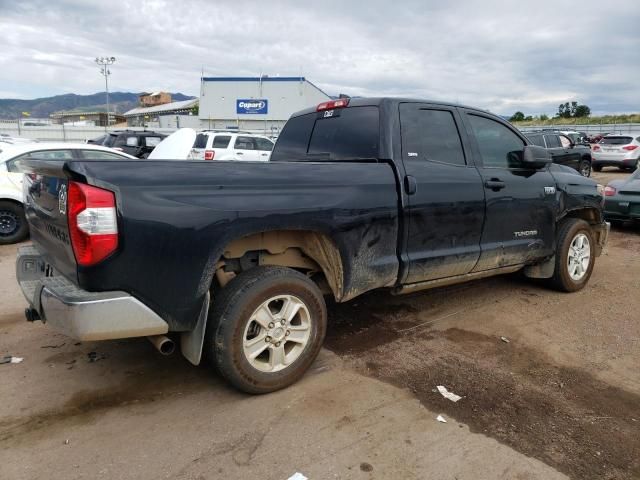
(253, 79)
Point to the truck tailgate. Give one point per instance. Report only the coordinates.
(45, 192)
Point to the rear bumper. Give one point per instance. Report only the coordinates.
(601, 232)
(613, 161)
(80, 314)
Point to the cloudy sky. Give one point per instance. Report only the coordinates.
(527, 56)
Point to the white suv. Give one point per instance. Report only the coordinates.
(226, 145)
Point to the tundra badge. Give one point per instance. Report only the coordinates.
(549, 190)
(62, 199)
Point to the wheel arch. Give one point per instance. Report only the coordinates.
(591, 215)
(312, 252)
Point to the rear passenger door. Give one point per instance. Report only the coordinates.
(244, 148)
(446, 200)
(520, 216)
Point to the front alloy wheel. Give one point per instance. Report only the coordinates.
(574, 256)
(579, 257)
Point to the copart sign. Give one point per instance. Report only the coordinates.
(252, 106)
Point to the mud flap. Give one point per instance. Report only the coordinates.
(191, 342)
(541, 270)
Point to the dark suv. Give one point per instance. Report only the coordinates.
(563, 150)
(138, 144)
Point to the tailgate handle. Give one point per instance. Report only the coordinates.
(410, 185)
(495, 184)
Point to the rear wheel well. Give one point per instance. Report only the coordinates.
(311, 253)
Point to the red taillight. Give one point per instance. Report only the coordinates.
(595, 148)
(341, 103)
(609, 191)
(209, 154)
(630, 148)
(93, 226)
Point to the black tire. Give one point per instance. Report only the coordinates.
(13, 224)
(231, 313)
(568, 230)
(597, 168)
(585, 168)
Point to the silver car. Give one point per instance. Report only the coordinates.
(622, 151)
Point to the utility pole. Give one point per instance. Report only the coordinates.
(104, 63)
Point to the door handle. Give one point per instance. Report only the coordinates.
(239, 153)
(410, 185)
(495, 184)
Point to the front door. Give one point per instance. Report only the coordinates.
(520, 215)
(445, 196)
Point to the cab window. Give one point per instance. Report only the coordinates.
(499, 146)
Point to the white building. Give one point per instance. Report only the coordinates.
(255, 103)
(168, 115)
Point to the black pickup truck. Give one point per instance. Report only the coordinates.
(234, 258)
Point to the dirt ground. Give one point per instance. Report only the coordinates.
(550, 388)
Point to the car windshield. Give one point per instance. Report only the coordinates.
(615, 140)
(110, 140)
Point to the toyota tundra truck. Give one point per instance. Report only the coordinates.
(233, 260)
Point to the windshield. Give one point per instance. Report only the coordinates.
(615, 140)
(110, 140)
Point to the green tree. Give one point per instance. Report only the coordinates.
(517, 117)
(582, 111)
(544, 117)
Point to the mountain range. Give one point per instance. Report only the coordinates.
(43, 107)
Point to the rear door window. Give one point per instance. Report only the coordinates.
(553, 141)
(221, 141)
(346, 133)
(244, 143)
(132, 141)
(430, 135)
(536, 140)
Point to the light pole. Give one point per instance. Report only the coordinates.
(104, 63)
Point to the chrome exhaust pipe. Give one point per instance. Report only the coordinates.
(163, 344)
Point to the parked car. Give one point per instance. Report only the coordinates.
(13, 225)
(575, 136)
(234, 257)
(564, 151)
(620, 151)
(6, 138)
(138, 144)
(231, 145)
(622, 199)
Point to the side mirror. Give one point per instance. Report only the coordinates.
(536, 157)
